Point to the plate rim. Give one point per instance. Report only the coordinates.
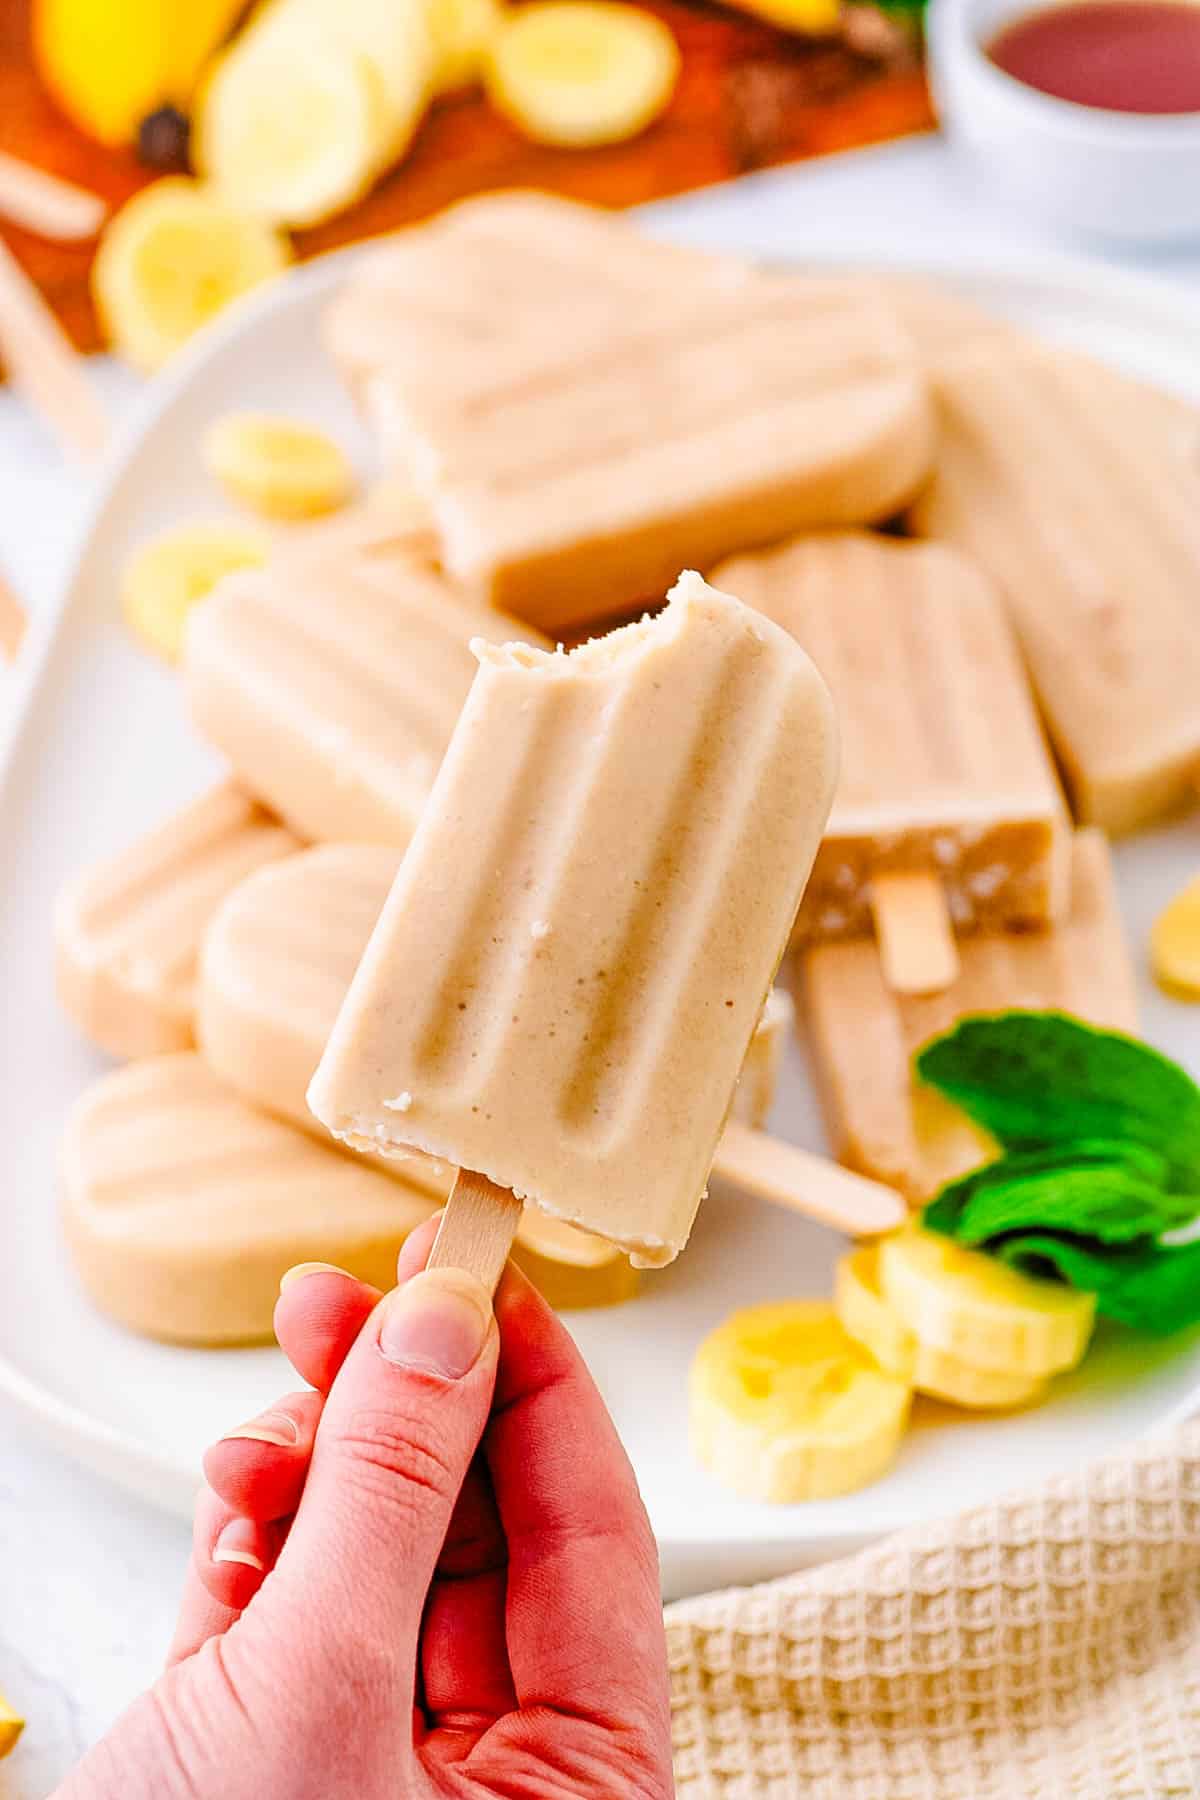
(120, 1455)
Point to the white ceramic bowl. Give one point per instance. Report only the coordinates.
(1120, 176)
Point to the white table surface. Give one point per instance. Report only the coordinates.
(89, 1578)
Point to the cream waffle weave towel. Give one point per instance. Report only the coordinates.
(1044, 1648)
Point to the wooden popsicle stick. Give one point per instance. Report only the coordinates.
(46, 204)
(13, 620)
(477, 1229)
(42, 362)
(916, 939)
(805, 1183)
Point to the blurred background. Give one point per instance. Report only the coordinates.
(113, 94)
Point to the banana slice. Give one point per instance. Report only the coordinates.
(295, 134)
(786, 1406)
(869, 1319)
(312, 102)
(462, 33)
(167, 576)
(170, 260)
(279, 467)
(977, 1309)
(11, 1727)
(580, 72)
(395, 38)
(1175, 944)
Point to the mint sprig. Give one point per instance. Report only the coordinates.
(1040, 1078)
(1101, 1158)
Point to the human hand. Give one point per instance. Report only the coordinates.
(431, 1576)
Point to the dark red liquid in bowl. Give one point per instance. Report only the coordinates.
(1134, 56)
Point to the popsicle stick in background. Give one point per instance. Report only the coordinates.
(13, 621)
(477, 1229)
(916, 938)
(805, 1183)
(43, 364)
(46, 204)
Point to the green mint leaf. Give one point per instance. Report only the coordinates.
(1150, 1286)
(1041, 1079)
(1111, 1192)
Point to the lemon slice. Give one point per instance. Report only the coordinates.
(170, 260)
(11, 1727)
(166, 577)
(975, 1308)
(279, 467)
(579, 72)
(296, 133)
(1175, 944)
(463, 31)
(868, 1318)
(786, 1406)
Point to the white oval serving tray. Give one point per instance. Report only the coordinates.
(95, 747)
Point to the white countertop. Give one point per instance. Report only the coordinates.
(88, 1578)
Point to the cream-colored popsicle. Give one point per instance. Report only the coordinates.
(127, 930)
(1078, 490)
(500, 278)
(573, 462)
(562, 987)
(279, 956)
(944, 768)
(863, 1036)
(183, 1206)
(332, 682)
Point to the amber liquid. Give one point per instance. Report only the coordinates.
(1134, 56)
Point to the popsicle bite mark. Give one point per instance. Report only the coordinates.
(916, 939)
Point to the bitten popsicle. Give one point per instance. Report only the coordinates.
(560, 993)
(947, 799)
(278, 959)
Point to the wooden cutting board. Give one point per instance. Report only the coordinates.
(749, 97)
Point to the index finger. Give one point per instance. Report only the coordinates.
(584, 1621)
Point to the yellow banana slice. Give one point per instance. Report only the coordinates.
(975, 1308)
(580, 72)
(279, 467)
(869, 1319)
(312, 102)
(295, 135)
(462, 33)
(170, 260)
(167, 576)
(786, 1406)
(11, 1727)
(1175, 944)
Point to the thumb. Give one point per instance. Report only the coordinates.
(402, 1421)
